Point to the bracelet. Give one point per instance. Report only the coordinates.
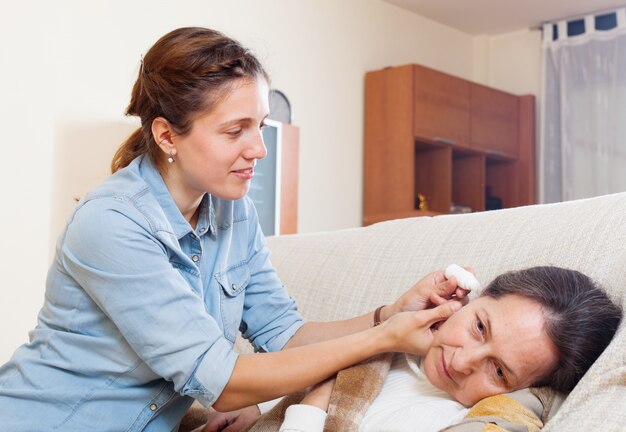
(377, 320)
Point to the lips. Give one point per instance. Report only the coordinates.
(244, 173)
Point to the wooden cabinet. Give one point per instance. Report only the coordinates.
(447, 139)
(441, 107)
(494, 120)
(389, 160)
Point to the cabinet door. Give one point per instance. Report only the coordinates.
(494, 120)
(389, 145)
(441, 107)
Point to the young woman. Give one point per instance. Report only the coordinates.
(543, 326)
(162, 264)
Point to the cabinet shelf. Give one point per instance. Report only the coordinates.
(451, 141)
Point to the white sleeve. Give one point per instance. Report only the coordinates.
(266, 406)
(303, 418)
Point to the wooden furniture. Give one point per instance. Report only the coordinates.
(446, 138)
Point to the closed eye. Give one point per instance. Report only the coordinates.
(235, 132)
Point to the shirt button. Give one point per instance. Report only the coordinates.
(195, 258)
(203, 229)
(153, 407)
(233, 286)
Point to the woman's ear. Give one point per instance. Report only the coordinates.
(162, 134)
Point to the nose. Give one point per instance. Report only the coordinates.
(466, 360)
(256, 148)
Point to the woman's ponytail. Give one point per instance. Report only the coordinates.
(135, 145)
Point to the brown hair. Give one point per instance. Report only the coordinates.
(579, 317)
(184, 74)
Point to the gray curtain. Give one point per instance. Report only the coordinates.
(582, 146)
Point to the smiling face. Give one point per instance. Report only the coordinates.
(219, 153)
(490, 346)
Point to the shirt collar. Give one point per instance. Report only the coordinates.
(180, 226)
(206, 216)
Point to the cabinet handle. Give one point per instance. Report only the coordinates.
(445, 140)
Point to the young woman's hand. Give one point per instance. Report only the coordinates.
(232, 421)
(430, 291)
(412, 332)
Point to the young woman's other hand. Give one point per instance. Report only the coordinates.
(430, 291)
(232, 421)
(412, 332)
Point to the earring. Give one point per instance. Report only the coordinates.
(170, 158)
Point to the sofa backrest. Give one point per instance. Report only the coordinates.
(341, 274)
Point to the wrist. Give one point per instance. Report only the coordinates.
(377, 315)
(388, 311)
(381, 340)
(383, 313)
(317, 399)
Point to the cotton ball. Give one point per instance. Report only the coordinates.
(464, 279)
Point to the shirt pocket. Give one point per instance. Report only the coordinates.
(233, 282)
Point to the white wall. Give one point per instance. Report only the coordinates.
(67, 69)
(317, 52)
(509, 62)
(26, 125)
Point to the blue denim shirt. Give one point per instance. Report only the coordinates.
(141, 311)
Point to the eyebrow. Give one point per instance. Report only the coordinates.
(244, 119)
(509, 371)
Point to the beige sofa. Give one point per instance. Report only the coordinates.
(344, 273)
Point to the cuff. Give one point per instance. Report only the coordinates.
(303, 418)
(279, 342)
(266, 406)
(212, 374)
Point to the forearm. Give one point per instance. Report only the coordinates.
(312, 332)
(417, 298)
(260, 377)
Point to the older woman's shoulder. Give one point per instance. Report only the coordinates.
(523, 410)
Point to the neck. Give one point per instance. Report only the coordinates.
(186, 199)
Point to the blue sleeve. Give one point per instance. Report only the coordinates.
(270, 316)
(111, 251)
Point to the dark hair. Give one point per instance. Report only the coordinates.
(184, 74)
(579, 317)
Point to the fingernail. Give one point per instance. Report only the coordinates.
(455, 305)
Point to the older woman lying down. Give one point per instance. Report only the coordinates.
(543, 326)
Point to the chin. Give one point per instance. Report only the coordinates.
(432, 374)
(465, 401)
(231, 195)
